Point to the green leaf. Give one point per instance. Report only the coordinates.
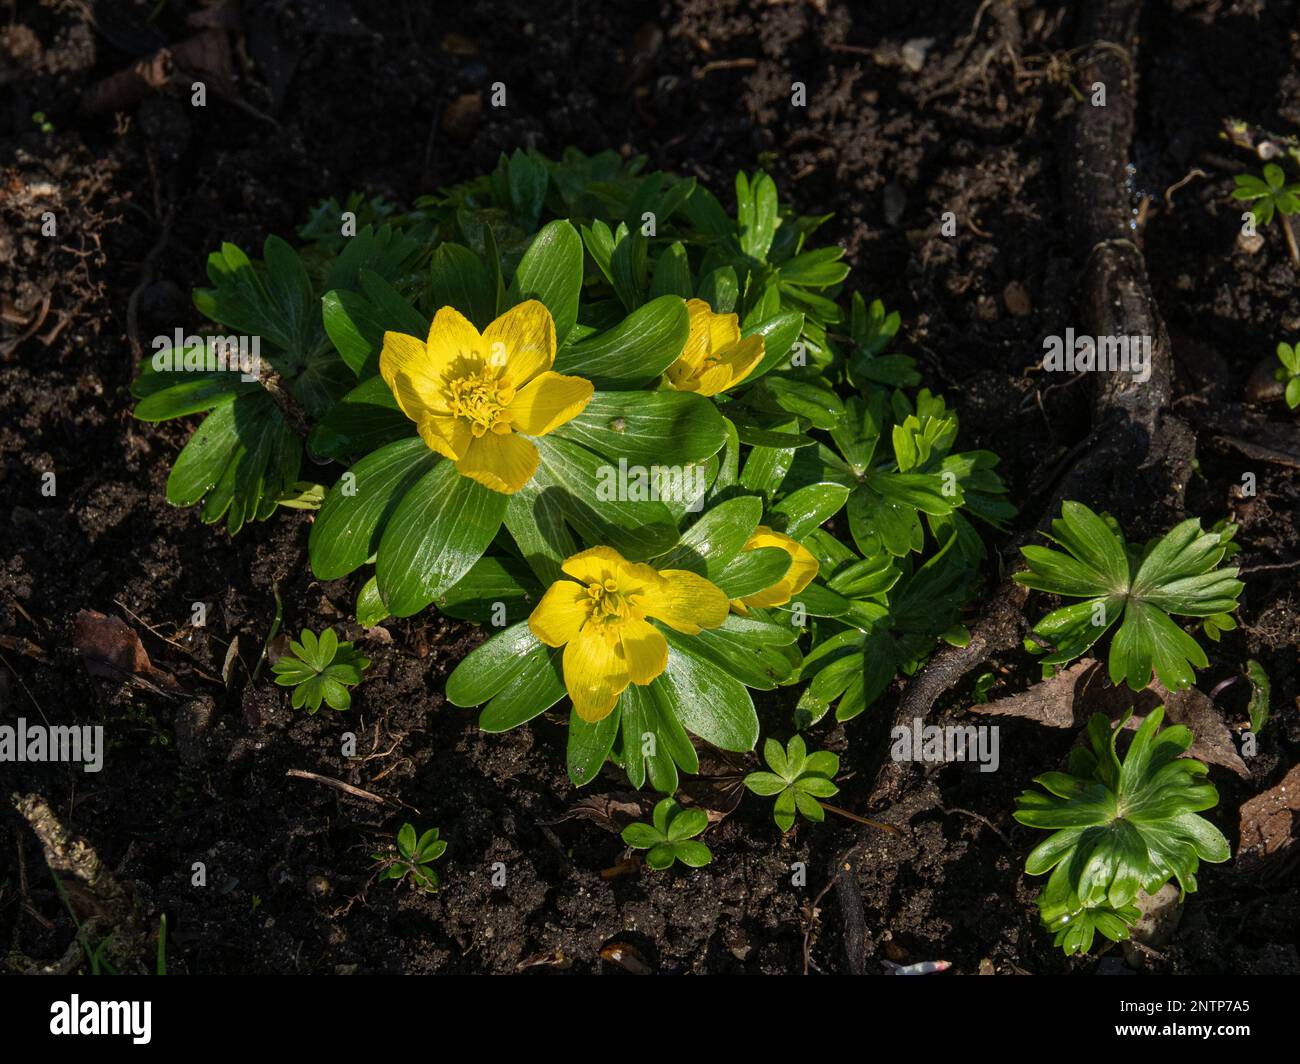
(459, 279)
(590, 745)
(693, 853)
(756, 214)
(493, 587)
(780, 333)
(749, 649)
(765, 784)
(641, 836)
(672, 274)
(240, 460)
(720, 289)
(493, 665)
(365, 419)
(1259, 695)
(551, 271)
(809, 507)
(571, 476)
(635, 352)
(687, 824)
(752, 571)
(648, 428)
(537, 687)
(349, 526)
(441, 527)
(661, 856)
(716, 538)
(175, 383)
(707, 701)
(816, 269)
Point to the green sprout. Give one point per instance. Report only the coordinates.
(320, 669)
(415, 857)
(1271, 194)
(1289, 371)
(671, 837)
(798, 779)
(1177, 574)
(42, 123)
(1119, 827)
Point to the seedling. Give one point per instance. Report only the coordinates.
(1178, 574)
(1260, 690)
(320, 669)
(1289, 371)
(1119, 827)
(671, 837)
(798, 779)
(415, 857)
(1271, 194)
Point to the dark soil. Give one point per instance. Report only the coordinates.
(334, 97)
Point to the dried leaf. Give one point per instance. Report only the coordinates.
(1069, 698)
(613, 811)
(1269, 824)
(110, 648)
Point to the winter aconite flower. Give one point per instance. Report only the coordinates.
(600, 614)
(715, 358)
(803, 567)
(475, 397)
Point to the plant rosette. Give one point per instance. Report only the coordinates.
(1119, 827)
(797, 779)
(1177, 574)
(320, 670)
(671, 836)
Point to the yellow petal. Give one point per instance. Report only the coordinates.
(523, 340)
(644, 649)
(741, 359)
(803, 567)
(449, 436)
(718, 330)
(412, 376)
(548, 401)
(595, 672)
(685, 601)
(599, 564)
(561, 613)
(455, 346)
(504, 463)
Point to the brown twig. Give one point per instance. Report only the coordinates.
(330, 781)
(858, 819)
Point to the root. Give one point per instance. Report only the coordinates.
(1140, 461)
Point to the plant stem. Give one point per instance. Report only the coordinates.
(1290, 240)
(858, 819)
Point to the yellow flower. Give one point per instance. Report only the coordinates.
(599, 617)
(715, 358)
(803, 567)
(474, 398)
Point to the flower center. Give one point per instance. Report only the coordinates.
(481, 399)
(608, 605)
